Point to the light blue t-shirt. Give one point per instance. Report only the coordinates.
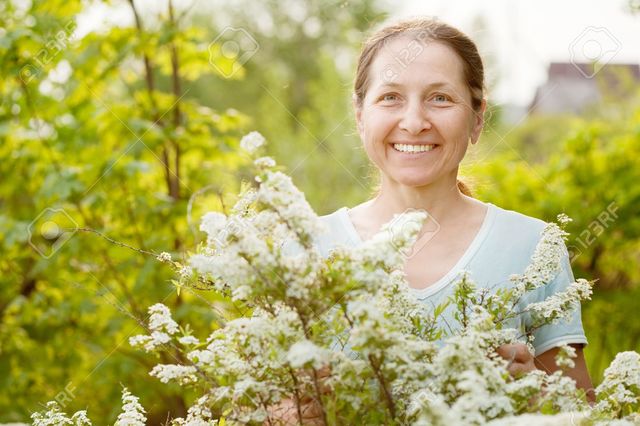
(503, 246)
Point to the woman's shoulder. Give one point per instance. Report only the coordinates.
(508, 246)
(515, 229)
(515, 219)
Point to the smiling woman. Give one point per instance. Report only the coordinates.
(420, 68)
(419, 103)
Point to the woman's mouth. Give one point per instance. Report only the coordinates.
(413, 148)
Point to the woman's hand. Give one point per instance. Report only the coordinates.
(521, 361)
(286, 412)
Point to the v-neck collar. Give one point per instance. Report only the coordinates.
(422, 293)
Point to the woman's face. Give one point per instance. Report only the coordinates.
(417, 99)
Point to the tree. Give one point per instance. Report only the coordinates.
(99, 133)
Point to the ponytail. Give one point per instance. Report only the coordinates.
(464, 188)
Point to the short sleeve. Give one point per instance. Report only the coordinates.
(564, 331)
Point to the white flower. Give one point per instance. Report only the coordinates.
(188, 340)
(621, 384)
(150, 343)
(393, 243)
(561, 305)
(244, 202)
(139, 340)
(55, 417)
(212, 224)
(186, 272)
(182, 373)
(305, 353)
(563, 219)
(161, 320)
(404, 228)
(545, 262)
(164, 257)
(624, 369)
(133, 414)
(280, 194)
(205, 264)
(561, 419)
(162, 326)
(201, 357)
(252, 142)
(264, 162)
(565, 356)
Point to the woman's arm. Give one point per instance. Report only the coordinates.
(546, 362)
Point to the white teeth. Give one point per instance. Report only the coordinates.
(412, 148)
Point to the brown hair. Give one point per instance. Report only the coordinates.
(425, 29)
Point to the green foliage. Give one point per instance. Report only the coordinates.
(92, 140)
(298, 91)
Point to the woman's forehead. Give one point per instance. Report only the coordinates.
(407, 61)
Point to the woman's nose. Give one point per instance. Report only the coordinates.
(414, 119)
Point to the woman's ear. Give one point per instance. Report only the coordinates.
(478, 122)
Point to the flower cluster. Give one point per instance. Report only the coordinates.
(132, 414)
(620, 390)
(345, 333)
(162, 327)
(252, 142)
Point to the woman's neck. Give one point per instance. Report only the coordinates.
(442, 200)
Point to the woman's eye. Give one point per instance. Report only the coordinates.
(388, 97)
(441, 98)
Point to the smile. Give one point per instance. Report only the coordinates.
(412, 148)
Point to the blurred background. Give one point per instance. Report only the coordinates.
(124, 117)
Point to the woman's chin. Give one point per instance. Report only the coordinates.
(413, 180)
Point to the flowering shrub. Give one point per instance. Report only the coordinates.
(132, 414)
(345, 332)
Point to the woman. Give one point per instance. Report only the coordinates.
(419, 102)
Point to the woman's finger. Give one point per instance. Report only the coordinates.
(515, 352)
(520, 360)
(321, 374)
(286, 413)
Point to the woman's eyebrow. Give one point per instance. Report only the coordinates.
(434, 85)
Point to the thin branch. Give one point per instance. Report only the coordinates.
(385, 389)
(316, 383)
(177, 93)
(150, 83)
(296, 394)
(117, 243)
